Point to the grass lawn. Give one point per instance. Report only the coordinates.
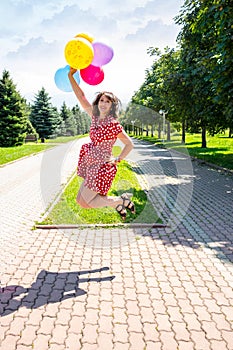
(63, 139)
(8, 154)
(66, 211)
(219, 149)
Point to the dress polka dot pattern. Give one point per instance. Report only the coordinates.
(98, 175)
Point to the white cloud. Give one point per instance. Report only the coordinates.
(72, 20)
(165, 10)
(33, 37)
(155, 33)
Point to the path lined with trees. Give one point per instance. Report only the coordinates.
(192, 84)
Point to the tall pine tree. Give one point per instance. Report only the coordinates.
(44, 116)
(69, 120)
(13, 113)
(82, 120)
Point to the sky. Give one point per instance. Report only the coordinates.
(34, 33)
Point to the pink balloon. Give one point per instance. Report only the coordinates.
(92, 75)
(102, 54)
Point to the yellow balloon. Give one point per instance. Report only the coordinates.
(85, 36)
(79, 53)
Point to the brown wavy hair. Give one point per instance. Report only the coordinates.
(116, 103)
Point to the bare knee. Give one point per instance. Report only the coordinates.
(81, 201)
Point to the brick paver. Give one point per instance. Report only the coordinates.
(120, 288)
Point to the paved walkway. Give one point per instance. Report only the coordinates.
(120, 288)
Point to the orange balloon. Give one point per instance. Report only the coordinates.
(79, 53)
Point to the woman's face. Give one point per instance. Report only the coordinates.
(104, 105)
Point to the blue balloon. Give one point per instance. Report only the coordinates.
(62, 81)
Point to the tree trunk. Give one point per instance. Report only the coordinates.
(183, 131)
(159, 131)
(168, 131)
(230, 132)
(203, 137)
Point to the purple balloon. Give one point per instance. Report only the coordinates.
(102, 54)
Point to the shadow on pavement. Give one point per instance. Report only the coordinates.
(49, 287)
(194, 199)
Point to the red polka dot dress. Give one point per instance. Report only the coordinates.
(98, 175)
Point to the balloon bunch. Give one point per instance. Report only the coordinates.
(87, 57)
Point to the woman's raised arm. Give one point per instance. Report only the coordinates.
(79, 93)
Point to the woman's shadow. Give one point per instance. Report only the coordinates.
(49, 287)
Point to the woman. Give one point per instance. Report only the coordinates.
(96, 164)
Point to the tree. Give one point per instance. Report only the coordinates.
(77, 116)
(68, 120)
(86, 122)
(194, 84)
(44, 116)
(214, 22)
(170, 91)
(157, 92)
(82, 120)
(199, 40)
(13, 113)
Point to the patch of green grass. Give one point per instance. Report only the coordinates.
(9, 154)
(219, 149)
(66, 211)
(64, 139)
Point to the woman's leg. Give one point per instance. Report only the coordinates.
(90, 199)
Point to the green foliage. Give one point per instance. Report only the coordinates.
(82, 120)
(44, 116)
(199, 40)
(214, 29)
(68, 121)
(73, 121)
(194, 84)
(13, 113)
